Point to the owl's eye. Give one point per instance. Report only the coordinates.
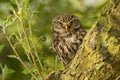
(59, 24)
(72, 22)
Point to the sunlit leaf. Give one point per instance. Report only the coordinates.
(6, 72)
(1, 47)
(25, 71)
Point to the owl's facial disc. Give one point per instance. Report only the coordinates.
(65, 26)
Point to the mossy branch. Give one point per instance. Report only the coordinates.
(99, 57)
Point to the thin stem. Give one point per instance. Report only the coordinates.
(28, 56)
(33, 43)
(37, 55)
(28, 43)
(17, 55)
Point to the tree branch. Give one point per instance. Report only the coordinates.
(99, 57)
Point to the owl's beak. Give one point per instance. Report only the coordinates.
(66, 27)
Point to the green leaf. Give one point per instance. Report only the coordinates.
(32, 78)
(1, 66)
(1, 47)
(25, 71)
(6, 72)
(25, 3)
(13, 1)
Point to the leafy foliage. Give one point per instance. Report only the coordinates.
(1, 47)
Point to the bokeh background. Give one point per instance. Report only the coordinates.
(43, 11)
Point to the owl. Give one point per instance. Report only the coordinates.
(68, 35)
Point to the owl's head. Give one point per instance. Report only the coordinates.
(66, 23)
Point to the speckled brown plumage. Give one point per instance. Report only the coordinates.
(68, 34)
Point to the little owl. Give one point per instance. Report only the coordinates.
(68, 35)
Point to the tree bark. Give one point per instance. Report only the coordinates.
(99, 56)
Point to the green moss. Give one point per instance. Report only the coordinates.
(113, 46)
(66, 77)
(86, 44)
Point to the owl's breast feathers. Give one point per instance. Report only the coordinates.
(66, 46)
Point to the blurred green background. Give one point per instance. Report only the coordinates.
(42, 11)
